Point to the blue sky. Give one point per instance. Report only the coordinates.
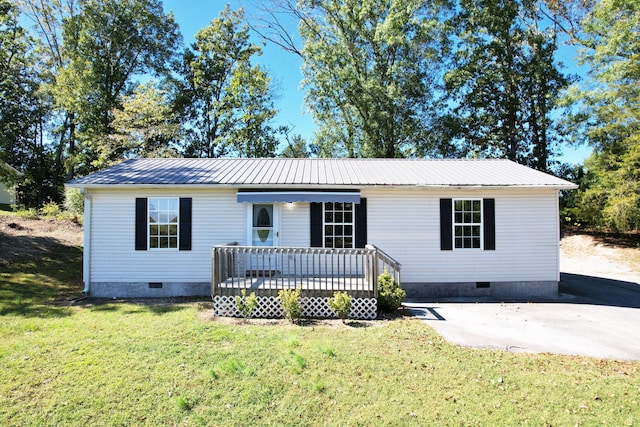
(284, 68)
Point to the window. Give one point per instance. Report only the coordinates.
(163, 222)
(467, 223)
(338, 225)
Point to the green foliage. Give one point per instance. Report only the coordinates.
(508, 112)
(608, 117)
(30, 213)
(246, 304)
(340, 304)
(183, 403)
(50, 210)
(145, 125)
(369, 69)
(226, 99)
(390, 294)
(74, 201)
(105, 49)
(290, 303)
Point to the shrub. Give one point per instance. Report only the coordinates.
(340, 304)
(74, 201)
(290, 303)
(390, 294)
(246, 304)
(50, 210)
(28, 214)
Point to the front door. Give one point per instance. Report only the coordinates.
(263, 221)
(262, 229)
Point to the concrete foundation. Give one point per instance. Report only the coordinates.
(149, 289)
(507, 290)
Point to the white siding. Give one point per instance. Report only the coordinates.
(403, 223)
(295, 225)
(406, 225)
(216, 219)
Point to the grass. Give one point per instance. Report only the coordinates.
(123, 363)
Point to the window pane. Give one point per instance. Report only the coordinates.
(476, 242)
(328, 205)
(475, 231)
(328, 216)
(458, 205)
(348, 206)
(476, 217)
(173, 242)
(458, 242)
(348, 242)
(339, 217)
(339, 242)
(458, 217)
(328, 242)
(339, 206)
(458, 231)
(476, 205)
(164, 230)
(164, 242)
(153, 242)
(467, 218)
(348, 230)
(348, 217)
(328, 230)
(173, 230)
(339, 230)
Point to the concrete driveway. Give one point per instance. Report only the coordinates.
(592, 317)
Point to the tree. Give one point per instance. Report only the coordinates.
(107, 44)
(22, 112)
(609, 115)
(370, 68)
(146, 126)
(227, 100)
(47, 18)
(504, 83)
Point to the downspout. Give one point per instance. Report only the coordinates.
(86, 254)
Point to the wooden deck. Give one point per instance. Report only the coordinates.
(357, 287)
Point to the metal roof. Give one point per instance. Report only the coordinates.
(326, 173)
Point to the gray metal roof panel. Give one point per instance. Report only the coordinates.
(324, 172)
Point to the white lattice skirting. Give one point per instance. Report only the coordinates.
(315, 307)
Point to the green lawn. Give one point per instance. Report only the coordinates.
(121, 363)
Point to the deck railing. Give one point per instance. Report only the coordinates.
(317, 271)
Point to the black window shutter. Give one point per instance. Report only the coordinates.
(361, 223)
(316, 225)
(489, 222)
(185, 224)
(446, 225)
(141, 224)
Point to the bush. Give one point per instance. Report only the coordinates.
(340, 304)
(290, 303)
(246, 304)
(74, 201)
(28, 214)
(50, 210)
(390, 294)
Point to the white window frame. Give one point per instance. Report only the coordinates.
(150, 202)
(343, 223)
(455, 224)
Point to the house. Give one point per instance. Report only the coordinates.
(168, 227)
(7, 192)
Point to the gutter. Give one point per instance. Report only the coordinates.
(276, 187)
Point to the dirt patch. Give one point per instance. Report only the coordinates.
(599, 256)
(23, 237)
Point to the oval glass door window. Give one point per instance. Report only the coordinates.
(263, 225)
